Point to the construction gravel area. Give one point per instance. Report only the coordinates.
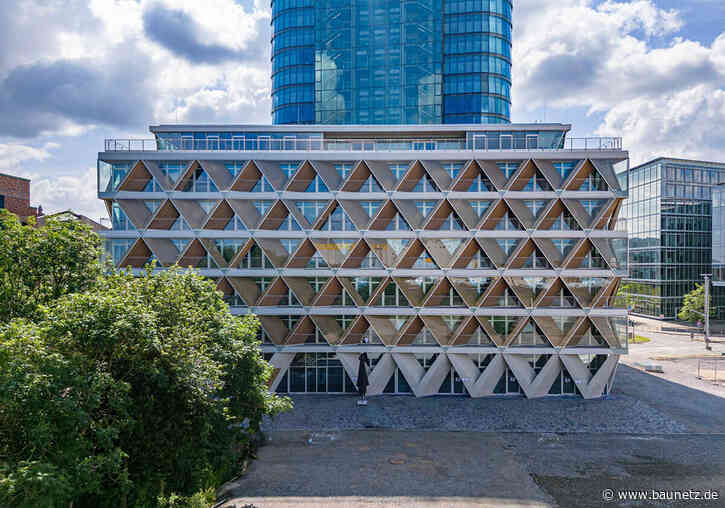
(618, 413)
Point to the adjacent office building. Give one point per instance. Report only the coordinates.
(670, 217)
(391, 61)
(463, 259)
(718, 247)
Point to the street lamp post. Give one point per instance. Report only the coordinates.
(706, 310)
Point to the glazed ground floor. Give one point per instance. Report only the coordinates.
(532, 374)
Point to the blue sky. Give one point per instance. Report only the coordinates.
(74, 72)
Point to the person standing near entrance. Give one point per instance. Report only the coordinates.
(362, 377)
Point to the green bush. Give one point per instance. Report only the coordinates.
(141, 391)
(40, 264)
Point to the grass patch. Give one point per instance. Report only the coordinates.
(638, 339)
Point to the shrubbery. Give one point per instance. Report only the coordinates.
(137, 391)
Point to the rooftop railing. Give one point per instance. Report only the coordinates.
(477, 143)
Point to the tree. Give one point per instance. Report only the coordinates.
(138, 388)
(40, 264)
(693, 304)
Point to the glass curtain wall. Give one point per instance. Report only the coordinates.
(670, 227)
(391, 61)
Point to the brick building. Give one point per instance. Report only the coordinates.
(15, 196)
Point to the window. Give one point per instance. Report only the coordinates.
(120, 219)
(508, 299)
(453, 169)
(289, 168)
(317, 185)
(451, 299)
(180, 224)
(370, 207)
(565, 168)
(537, 260)
(235, 224)
(118, 175)
(425, 207)
(255, 258)
(317, 283)
(234, 301)
(228, 248)
(425, 184)
(262, 185)
(262, 206)
(289, 223)
(531, 335)
(392, 296)
(481, 183)
(338, 221)
(235, 167)
(206, 261)
(290, 245)
(119, 248)
(593, 206)
(316, 373)
(536, 205)
(172, 169)
(507, 246)
(397, 223)
(151, 205)
(537, 183)
(452, 223)
(593, 260)
(180, 244)
(317, 261)
(398, 170)
(503, 325)
(565, 222)
(371, 185)
(508, 223)
(366, 286)
(200, 182)
(508, 168)
(311, 209)
(343, 170)
(152, 186)
(480, 206)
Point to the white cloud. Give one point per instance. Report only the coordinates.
(684, 124)
(663, 99)
(14, 155)
(76, 192)
(621, 60)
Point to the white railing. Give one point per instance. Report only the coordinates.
(477, 143)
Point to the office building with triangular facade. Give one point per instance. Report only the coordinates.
(478, 260)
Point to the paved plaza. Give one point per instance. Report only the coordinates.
(655, 432)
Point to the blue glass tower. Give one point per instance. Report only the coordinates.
(391, 61)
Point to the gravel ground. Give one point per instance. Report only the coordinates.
(617, 413)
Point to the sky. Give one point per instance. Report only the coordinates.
(75, 72)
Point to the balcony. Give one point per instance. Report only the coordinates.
(265, 144)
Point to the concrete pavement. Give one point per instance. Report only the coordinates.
(685, 450)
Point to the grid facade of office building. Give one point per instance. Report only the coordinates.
(669, 216)
(391, 61)
(458, 268)
(718, 249)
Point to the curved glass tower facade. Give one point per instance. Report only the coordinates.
(391, 61)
